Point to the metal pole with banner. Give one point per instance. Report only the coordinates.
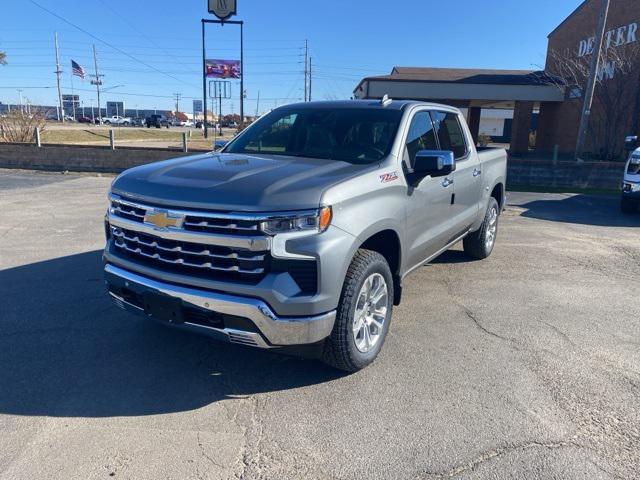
(223, 9)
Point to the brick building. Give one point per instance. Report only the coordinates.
(572, 42)
(557, 99)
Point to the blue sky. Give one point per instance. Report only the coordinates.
(347, 40)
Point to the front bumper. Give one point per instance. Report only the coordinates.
(270, 330)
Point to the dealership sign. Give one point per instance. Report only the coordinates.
(223, 68)
(223, 9)
(613, 38)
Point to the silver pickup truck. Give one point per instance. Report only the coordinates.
(299, 234)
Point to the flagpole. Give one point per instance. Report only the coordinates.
(73, 96)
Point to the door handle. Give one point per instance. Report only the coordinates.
(476, 172)
(446, 182)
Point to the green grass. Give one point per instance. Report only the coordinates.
(143, 136)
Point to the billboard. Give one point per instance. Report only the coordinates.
(70, 103)
(197, 106)
(223, 68)
(115, 109)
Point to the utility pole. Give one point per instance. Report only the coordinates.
(177, 99)
(306, 60)
(258, 104)
(591, 83)
(97, 82)
(310, 78)
(58, 72)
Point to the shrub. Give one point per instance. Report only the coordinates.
(19, 125)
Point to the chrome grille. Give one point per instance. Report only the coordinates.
(192, 256)
(213, 222)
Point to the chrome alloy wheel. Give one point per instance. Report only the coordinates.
(371, 312)
(490, 237)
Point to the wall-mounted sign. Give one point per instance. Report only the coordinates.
(223, 68)
(613, 38)
(223, 9)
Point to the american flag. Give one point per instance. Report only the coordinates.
(77, 69)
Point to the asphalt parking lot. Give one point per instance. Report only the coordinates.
(526, 365)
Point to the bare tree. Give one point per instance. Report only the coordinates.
(19, 126)
(3, 58)
(616, 86)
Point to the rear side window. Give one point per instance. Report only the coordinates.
(421, 135)
(450, 133)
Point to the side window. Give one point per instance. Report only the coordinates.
(450, 133)
(421, 135)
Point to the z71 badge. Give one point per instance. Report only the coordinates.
(388, 177)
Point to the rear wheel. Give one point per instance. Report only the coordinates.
(364, 313)
(480, 243)
(628, 206)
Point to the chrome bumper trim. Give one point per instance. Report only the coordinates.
(231, 335)
(278, 331)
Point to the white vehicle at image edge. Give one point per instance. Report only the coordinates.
(631, 184)
(116, 120)
(299, 234)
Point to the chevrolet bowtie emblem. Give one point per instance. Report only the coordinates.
(163, 219)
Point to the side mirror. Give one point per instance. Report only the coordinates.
(630, 143)
(437, 163)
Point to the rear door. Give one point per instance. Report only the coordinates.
(429, 203)
(467, 178)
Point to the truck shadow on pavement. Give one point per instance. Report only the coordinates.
(603, 211)
(67, 351)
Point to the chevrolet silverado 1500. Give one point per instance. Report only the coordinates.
(301, 231)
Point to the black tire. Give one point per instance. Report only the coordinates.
(628, 206)
(340, 350)
(476, 244)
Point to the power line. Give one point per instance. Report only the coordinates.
(102, 41)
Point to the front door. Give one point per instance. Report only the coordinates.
(428, 214)
(467, 176)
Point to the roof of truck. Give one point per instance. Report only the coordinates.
(336, 104)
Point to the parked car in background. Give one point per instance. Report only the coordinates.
(302, 230)
(117, 120)
(84, 120)
(631, 184)
(157, 120)
(138, 122)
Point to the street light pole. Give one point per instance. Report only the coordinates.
(591, 83)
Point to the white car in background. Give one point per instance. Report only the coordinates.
(631, 184)
(117, 120)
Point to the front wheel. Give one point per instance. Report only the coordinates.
(479, 244)
(364, 313)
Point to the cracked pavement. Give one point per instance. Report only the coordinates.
(526, 365)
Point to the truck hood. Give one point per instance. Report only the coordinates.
(228, 181)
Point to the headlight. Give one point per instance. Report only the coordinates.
(316, 221)
(635, 187)
(635, 160)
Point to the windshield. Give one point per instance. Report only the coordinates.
(356, 135)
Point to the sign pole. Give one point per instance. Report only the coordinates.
(204, 82)
(241, 75)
